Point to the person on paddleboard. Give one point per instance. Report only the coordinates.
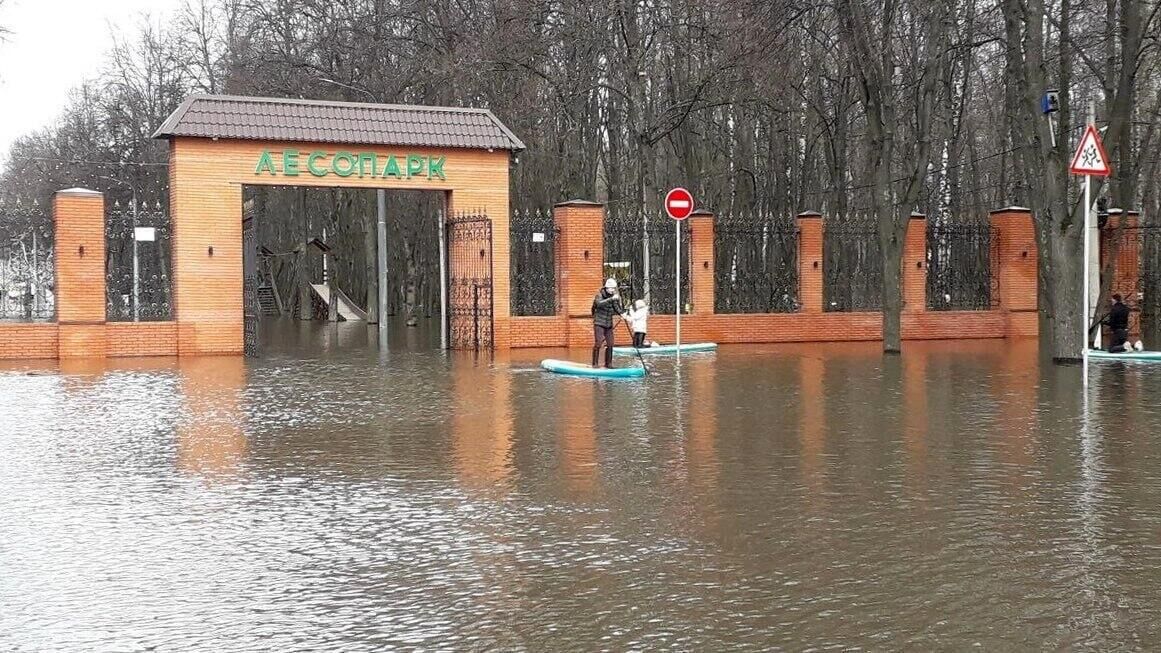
(638, 317)
(606, 307)
(1118, 322)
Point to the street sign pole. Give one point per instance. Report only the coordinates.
(1090, 159)
(677, 276)
(381, 261)
(1085, 279)
(679, 206)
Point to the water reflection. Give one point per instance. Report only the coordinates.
(482, 432)
(210, 436)
(335, 495)
(812, 430)
(577, 439)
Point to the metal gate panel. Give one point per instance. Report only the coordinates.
(251, 310)
(642, 254)
(469, 283)
(962, 265)
(532, 236)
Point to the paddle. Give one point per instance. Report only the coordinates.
(635, 347)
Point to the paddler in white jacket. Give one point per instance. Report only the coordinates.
(639, 323)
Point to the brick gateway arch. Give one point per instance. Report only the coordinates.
(218, 144)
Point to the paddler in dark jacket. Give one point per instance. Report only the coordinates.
(1119, 325)
(606, 307)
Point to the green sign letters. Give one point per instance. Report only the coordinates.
(291, 163)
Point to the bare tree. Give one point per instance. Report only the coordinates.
(1043, 159)
(876, 40)
(750, 102)
(4, 31)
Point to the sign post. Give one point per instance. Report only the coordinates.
(1090, 159)
(679, 206)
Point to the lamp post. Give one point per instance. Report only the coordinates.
(381, 219)
(136, 259)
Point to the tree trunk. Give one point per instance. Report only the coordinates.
(1060, 300)
(892, 248)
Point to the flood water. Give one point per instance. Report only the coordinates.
(333, 497)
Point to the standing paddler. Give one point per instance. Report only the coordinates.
(606, 307)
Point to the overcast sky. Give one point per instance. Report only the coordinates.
(54, 46)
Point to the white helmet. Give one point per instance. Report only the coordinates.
(611, 283)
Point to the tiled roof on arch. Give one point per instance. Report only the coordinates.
(321, 121)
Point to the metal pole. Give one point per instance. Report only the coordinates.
(381, 255)
(136, 265)
(1085, 274)
(646, 292)
(35, 280)
(1084, 277)
(443, 316)
(677, 279)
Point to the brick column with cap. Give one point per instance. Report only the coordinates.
(580, 255)
(701, 261)
(915, 264)
(79, 223)
(1127, 242)
(1016, 262)
(810, 262)
(1120, 248)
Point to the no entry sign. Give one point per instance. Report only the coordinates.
(678, 203)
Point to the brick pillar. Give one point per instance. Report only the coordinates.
(79, 220)
(915, 264)
(1128, 255)
(1126, 267)
(810, 262)
(1016, 262)
(701, 261)
(580, 255)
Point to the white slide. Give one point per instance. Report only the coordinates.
(348, 310)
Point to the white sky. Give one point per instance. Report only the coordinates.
(54, 46)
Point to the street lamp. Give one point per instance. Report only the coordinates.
(381, 215)
(136, 264)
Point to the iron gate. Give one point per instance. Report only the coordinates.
(469, 281)
(250, 307)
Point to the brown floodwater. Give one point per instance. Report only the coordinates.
(330, 496)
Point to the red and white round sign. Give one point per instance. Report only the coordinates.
(679, 203)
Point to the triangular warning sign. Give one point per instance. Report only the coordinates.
(1090, 157)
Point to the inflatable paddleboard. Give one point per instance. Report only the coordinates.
(1151, 356)
(667, 349)
(580, 369)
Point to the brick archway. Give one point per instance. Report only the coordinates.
(218, 144)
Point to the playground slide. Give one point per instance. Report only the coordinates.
(348, 310)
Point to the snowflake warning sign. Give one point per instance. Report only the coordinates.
(1090, 157)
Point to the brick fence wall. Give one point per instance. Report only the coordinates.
(81, 329)
(580, 260)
